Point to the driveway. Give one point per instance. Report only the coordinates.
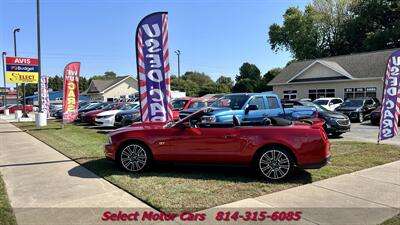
(365, 132)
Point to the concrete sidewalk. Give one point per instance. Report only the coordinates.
(368, 196)
(45, 187)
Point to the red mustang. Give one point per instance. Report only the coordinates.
(273, 146)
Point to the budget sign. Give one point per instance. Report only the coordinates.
(391, 99)
(21, 70)
(71, 92)
(153, 68)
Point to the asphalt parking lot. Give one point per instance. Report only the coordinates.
(365, 132)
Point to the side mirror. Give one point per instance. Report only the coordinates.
(251, 108)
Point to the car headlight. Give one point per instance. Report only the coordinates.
(208, 119)
(109, 140)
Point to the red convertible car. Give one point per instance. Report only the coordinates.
(273, 146)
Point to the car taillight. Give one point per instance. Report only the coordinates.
(323, 134)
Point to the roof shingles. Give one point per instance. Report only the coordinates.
(360, 65)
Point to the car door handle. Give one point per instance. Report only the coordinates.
(229, 136)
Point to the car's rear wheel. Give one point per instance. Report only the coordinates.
(275, 163)
(134, 157)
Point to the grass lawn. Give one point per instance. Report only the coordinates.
(178, 187)
(6, 213)
(393, 221)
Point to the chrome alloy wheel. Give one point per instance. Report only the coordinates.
(133, 157)
(274, 164)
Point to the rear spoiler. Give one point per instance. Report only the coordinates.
(314, 122)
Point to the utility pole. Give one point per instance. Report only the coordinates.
(5, 85)
(15, 54)
(178, 53)
(39, 56)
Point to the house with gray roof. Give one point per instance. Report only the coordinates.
(347, 76)
(104, 90)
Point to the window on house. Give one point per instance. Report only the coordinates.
(351, 93)
(321, 93)
(290, 94)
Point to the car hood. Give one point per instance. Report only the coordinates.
(331, 114)
(90, 113)
(347, 108)
(125, 112)
(109, 113)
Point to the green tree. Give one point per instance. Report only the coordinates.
(271, 74)
(249, 71)
(83, 84)
(56, 83)
(244, 85)
(335, 27)
(374, 25)
(109, 75)
(224, 84)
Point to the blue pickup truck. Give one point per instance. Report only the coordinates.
(252, 107)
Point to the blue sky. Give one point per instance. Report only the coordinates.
(215, 37)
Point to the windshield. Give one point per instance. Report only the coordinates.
(126, 106)
(196, 105)
(353, 103)
(231, 101)
(310, 104)
(321, 102)
(178, 104)
(109, 106)
(94, 106)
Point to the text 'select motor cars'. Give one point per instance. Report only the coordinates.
(274, 146)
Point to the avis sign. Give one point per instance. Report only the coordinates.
(22, 70)
(153, 68)
(391, 99)
(71, 92)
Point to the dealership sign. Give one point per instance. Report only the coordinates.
(71, 92)
(152, 58)
(22, 70)
(388, 127)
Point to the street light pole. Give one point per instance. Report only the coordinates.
(178, 53)
(15, 54)
(4, 74)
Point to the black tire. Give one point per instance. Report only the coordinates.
(134, 157)
(336, 134)
(361, 117)
(274, 163)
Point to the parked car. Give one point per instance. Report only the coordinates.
(90, 117)
(127, 117)
(253, 106)
(376, 116)
(12, 108)
(273, 146)
(335, 123)
(358, 109)
(329, 103)
(90, 107)
(58, 114)
(107, 118)
(181, 104)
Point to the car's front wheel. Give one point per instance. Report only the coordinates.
(361, 117)
(134, 157)
(275, 163)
